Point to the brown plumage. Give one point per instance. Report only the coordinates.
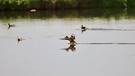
(19, 39)
(71, 39)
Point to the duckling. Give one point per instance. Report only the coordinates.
(66, 37)
(19, 39)
(83, 27)
(73, 36)
(70, 39)
(9, 25)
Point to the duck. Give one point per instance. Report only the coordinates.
(11, 25)
(19, 39)
(83, 27)
(71, 39)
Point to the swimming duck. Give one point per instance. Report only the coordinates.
(19, 39)
(71, 39)
(83, 27)
(9, 25)
(73, 36)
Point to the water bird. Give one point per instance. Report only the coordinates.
(71, 39)
(19, 39)
(83, 27)
(11, 25)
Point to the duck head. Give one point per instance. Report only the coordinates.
(70, 39)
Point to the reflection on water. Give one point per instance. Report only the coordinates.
(91, 13)
(71, 47)
(104, 29)
(107, 43)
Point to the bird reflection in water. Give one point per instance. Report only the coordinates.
(83, 30)
(72, 43)
(71, 47)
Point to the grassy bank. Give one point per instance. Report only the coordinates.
(83, 13)
(64, 4)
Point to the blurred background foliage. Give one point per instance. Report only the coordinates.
(64, 4)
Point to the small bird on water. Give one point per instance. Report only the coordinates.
(11, 25)
(72, 43)
(71, 39)
(19, 39)
(83, 27)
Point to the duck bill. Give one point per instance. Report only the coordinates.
(62, 39)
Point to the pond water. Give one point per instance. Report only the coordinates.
(106, 49)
